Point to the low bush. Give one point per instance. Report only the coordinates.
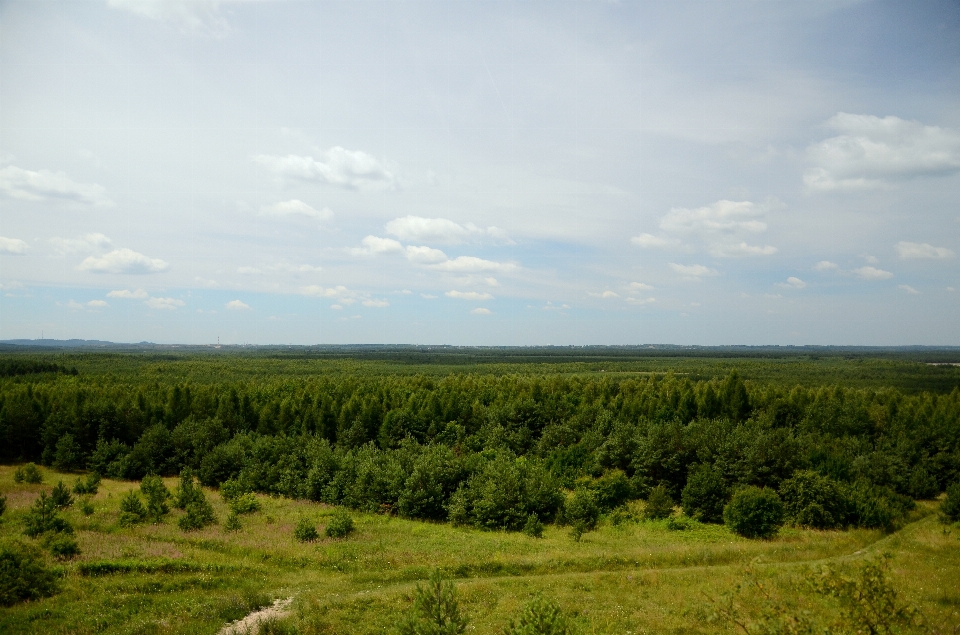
(813, 500)
(87, 486)
(187, 490)
(754, 512)
(679, 523)
(28, 473)
(43, 517)
(60, 496)
(340, 525)
(612, 490)
(950, 507)
(659, 504)
(704, 495)
(232, 523)
(581, 510)
(245, 504)
(436, 610)
(86, 507)
(132, 511)
(63, 547)
(23, 573)
(539, 617)
(156, 493)
(232, 489)
(533, 527)
(876, 507)
(3, 504)
(199, 514)
(305, 531)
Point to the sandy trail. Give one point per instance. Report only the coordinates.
(250, 625)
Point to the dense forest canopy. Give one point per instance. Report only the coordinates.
(476, 439)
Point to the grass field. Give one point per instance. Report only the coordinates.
(638, 577)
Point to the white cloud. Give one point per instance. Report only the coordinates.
(481, 311)
(640, 300)
(908, 251)
(639, 286)
(908, 289)
(650, 241)
(439, 231)
(13, 246)
(375, 303)
(169, 304)
(606, 295)
(198, 16)
(427, 296)
(123, 261)
(97, 303)
(88, 243)
(468, 295)
(336, 307)
(237, 305)
(792, 283)
(74, 305)
(872, 273)
(296, 208)
(425, 255)
(872, 151)
(491, 282)
(338, 166)
(550, 306)
(741, 250)
(872, 260)
(339, 291)
(693, 271)
(375, 245)
(26, 185)
(722, 216)
(139, 294)
(471, 264)
(826, 265)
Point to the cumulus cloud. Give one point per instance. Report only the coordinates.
(872, 273)
(123, 261)
(164, 304)
(872, 151)
(471, 264)
(826, 265)
(793, 283)
(237, 305)
(640, 300)
(373, 245)
(44, 185)
(606, 295)
(722, 216)
(139, 294)
(648, 241)
(438, 231)
(345, 168)
(97, 304)
(908, 289)
(425, 255)
(694, 271)
(468, 295)
(12, 246)
(296, 208)
(481, 311)
(741, 250)
(88, 243)
(639, 286)
(375, 303)
(908, 251)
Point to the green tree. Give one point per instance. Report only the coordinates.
(704, 495)
(659, 504)
(436, 610)
(539, 617)
(132, 511)
(23, 573)
(43, 517)
(754, 512)
(156, 493)
(60, 496)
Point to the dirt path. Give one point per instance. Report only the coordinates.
(250, 625)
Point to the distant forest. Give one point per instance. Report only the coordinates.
(491, 443)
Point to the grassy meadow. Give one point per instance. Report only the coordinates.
(638, 576)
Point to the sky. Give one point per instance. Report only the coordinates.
(480, 173)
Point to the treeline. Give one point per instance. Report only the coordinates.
(25, 366)
(492, 451)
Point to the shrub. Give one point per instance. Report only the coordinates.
(245, 504)
(199, 514)
(232, 523)
(950, 507)
(612, 490)
(132, 511)
(64, 547)
(28, 473)
(340, 525)
(533, 527)
(876, 507)
(305, 531)
(60, 496)
(659, 504)
(3, 504)
(679, 523)
(435, 610)
(581, 510)
(23, 574)
(754, 512)
(67, 455)
(87, 486)
(86, 507)
(540, 617)
(42, 517)
(156, 493)
(812, 500)
(187, 491)
(232, 488)
(704, 495)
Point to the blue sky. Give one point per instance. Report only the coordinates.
(762, 172)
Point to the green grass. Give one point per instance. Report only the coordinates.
(639, 577)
